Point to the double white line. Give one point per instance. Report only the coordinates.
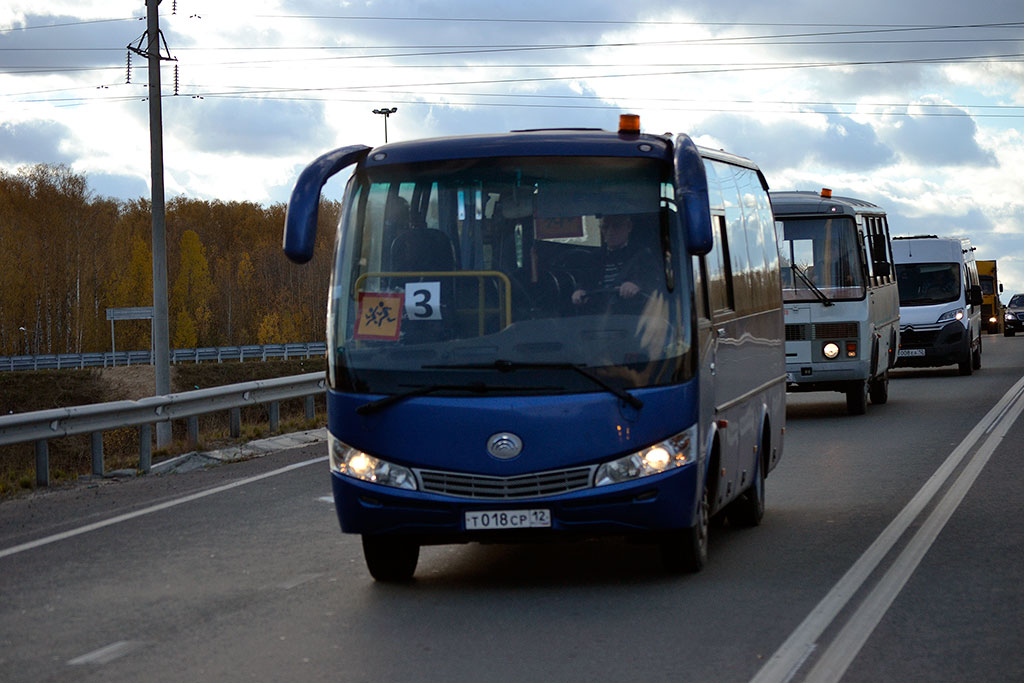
(832, 664)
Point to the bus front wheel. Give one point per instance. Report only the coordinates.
(685, 551)
(879, 389)
(857, 398)
(389, 558)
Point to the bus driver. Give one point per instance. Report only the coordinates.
(623, 268)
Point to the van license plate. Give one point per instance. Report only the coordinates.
(902, 353)
(480, 520)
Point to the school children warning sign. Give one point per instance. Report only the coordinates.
(380, 315)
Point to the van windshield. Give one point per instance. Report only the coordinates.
(450, 270)
(925, 284)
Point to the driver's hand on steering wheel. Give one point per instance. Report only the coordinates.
(579, 296)
(628, 290)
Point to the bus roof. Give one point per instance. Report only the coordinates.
(547, 142)
(794, 203)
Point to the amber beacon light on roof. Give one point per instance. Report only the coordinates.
(629, 123)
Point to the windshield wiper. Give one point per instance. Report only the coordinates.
(502, 365)
(476, 388)
(811, 286)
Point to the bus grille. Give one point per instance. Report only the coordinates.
(796, 332)
(833, 330)
(502, 488)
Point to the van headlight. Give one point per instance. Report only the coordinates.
(354, 463)
(949, 316)
(673, 452)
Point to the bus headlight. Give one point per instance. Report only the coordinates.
(949, 316)
(673, 452)
(352, 462)
(830, 349)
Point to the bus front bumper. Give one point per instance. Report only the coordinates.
(825, 376)
(648, 505)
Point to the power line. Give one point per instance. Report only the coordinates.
(493, 46)
(634, 104)
(684, 70)
(32, 69)
(71, 23)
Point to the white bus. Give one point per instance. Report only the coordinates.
(940, 302)
(839, 291)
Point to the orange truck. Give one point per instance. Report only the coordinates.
(991, 308)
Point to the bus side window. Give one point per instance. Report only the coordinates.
(735, 258)
(719, 268)
(868, 249)
(700, 292)
(879, 250)
(711, 265)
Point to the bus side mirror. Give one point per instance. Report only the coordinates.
(692, 192)
(304, 204)
(975, 295)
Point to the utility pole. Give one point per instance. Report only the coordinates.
(161, 334)
(385, 112)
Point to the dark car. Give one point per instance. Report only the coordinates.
(1014, 317)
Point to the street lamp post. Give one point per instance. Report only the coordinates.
(25, 332)
(385, 112)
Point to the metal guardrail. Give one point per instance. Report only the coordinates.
(219, 354)
(42, 425)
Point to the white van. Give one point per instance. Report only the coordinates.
(940, 302)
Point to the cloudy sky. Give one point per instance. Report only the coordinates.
(917, 106)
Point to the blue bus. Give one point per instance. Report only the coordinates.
(548, 334)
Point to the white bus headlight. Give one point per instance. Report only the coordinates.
(949, 316)
(352, 462)
(661, 457)
(831, 350)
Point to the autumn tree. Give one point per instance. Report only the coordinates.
(191, 293)
(66, 256)
(132, 285)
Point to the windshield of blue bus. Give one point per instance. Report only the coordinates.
(821, 259)
(447, 271)
(924, 284)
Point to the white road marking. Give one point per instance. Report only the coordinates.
(326, 499)
(784, 664)
(108, 653)
(840, 654)
(155, 508)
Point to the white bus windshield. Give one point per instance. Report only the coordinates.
(821, 260)
(449, 271)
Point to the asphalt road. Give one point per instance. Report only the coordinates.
(890, 551)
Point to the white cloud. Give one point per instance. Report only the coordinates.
(863, 129)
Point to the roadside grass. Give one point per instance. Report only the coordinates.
(71, 457)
